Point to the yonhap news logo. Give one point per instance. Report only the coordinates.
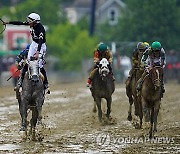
(104, 139)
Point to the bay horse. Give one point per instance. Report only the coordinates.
(151, 95)
(31, 97)
(131, 91)
(103, 87)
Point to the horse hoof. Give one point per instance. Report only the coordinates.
(100, 120)
(22, 129)
(23, 135)
(94, 110)
(155, 130)
(129, 118)
(150, 136)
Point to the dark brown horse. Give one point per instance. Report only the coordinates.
(151, 95)
(103, 87)
(131, 92)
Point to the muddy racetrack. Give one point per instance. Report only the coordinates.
(70, 126)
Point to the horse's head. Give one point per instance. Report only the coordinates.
(103, 67)
(33, 69)
(156, 76)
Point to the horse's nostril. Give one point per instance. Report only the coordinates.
(35, 78)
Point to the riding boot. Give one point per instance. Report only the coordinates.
(128, 80)
(89, 82)
(162, 84)
(140, 82)
(162, 88)
(19, 83)
(131, 72)
(45, 82)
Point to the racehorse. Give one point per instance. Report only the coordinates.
(131, 92)
(31, 97)
(151, 95)
(103, 87)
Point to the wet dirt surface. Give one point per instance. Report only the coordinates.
(70, 126)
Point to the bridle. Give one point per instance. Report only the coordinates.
(103, 68)
(157, 80)
(33, 70)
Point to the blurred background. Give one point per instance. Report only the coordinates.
(75, 27)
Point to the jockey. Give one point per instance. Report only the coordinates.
(20, 62)
(100, 52)
(21, 57)
(38, 47)
(156, 57)
(141, 47)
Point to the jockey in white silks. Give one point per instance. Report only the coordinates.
(153, 56)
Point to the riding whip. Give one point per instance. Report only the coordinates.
(12, 75)
(2, 22)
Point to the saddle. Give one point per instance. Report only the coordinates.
(42, 76)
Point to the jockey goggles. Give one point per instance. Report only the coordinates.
(29, 20)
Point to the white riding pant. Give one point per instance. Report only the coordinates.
(33, 49)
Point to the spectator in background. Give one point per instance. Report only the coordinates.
(15, 73)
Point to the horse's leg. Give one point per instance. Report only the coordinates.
(109, 101)
(136, 106)
(145, 111)
(156, 111)
(39, 104)
(23, 107)
(34, 121)
(98, 103)
(23, 112)
(140, 111)
(94, 107)
(152, 121)
(129, 94)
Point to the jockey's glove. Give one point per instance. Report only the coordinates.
(19, 66)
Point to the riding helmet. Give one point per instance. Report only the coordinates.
(33, 17)
(156, 45)
(141, 46)
(102, 47)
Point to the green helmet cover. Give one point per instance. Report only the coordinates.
(156, 45)
(102, 47)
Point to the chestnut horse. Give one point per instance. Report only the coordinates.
(151, 95)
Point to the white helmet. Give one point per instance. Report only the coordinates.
(33, 17)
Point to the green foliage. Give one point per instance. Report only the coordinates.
(71, 45)
(49, 11)
(146, 20)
